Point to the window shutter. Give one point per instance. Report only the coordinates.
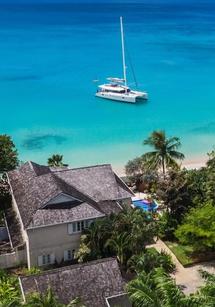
(40, 260)
(65, 257)
(70, 230)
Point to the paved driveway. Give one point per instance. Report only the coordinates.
(189, 277)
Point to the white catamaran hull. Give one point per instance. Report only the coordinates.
(131, 98)
(124, 98)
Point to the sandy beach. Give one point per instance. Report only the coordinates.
(190, 163)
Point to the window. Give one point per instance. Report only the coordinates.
(79, 226)
(46, 259)
(74, 227)
(69, 254)
(82, 225)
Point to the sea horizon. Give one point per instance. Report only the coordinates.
(51, 53)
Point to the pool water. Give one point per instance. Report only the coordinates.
(145, 205)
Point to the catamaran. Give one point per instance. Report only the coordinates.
(117, 88)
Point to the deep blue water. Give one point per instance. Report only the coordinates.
(51, 53)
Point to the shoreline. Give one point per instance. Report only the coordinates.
(193, 163)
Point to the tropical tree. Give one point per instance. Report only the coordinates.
(208, 289)
(48, 299)
(110, 236)
(175, 193)
(135, 167)
(210, 187)
(198, 228)
(5, 197)
(158, 289)
(8, 154)
(139, 174)
(142, 229)
(9, 293)
(165, 151)
(197, 185)
(119, 245)
(56, 161)
(149, 260)
(141, 291)
(16, 302)
(84, 252)
(94, 239)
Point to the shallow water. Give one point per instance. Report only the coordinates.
(50, 54)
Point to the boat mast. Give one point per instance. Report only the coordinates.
(123, 52)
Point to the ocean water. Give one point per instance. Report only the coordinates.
(51, 53)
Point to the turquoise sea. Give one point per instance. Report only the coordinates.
(51, 53)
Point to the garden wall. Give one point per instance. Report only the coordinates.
(13, 259)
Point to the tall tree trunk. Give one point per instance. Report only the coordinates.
(163, 166)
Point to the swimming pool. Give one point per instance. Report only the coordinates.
(145, 204)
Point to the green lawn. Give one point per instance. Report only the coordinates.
(182, 252)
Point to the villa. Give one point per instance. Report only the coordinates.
(52, 206)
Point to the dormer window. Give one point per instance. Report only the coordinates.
(63, 201)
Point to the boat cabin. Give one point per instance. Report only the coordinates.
(114, 88)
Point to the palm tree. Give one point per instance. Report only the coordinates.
(142, 293)
(165, 151)
(55, 161)
(120, 245)
(9, 293)
(43, 300)
(49, 300)
(157, 289)
(150, 260)
(11, 303)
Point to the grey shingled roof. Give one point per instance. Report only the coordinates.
(34, 185)
(109, 206)
(99, 182)
(93, 282)
(58, 216)
(14, 228)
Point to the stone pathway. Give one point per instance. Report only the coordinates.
(189, 277)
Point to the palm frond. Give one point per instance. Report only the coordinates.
(141, 292)
(176, 154)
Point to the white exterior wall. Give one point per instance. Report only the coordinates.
(51, 239)
(12, 260)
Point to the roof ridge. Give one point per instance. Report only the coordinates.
(82, 167)
(79, 191)
(31, 166)
(72, 266)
